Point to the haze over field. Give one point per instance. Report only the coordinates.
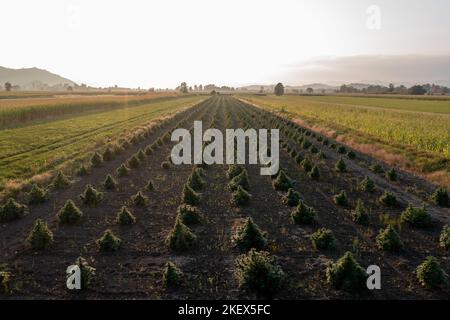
(160, 43)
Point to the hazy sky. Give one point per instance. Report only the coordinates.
(163, 42)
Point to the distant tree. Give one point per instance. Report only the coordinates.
(279, 89)
(391, 87)
(261, 89)
(309, 90)
(195, 87)
(183, 87)
(69, 88)
(417, 90)
(200, 87)
(190, 88)
(8, 86)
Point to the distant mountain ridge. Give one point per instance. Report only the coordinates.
(32, 78)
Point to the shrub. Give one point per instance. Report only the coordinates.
(299, 158)
(366, 185)
(240, 180)
(282, 182)
(172, 275)
(82, 171)
(322, 155)
(12, 210)
(314, 150)
(391, 175)
(37, 195)
(234, 170)
(430, 274)
(133, 162)
(340, 165)
(257, 272)
(388, 199)
(110, 183)
(91, 196)
(122, 171)
(416, 217)
(195, 181)
(440, 197)
(389, 240)
(341, 198)
(291, 198)
(86, 272)
(108, 154)
(125, 217)
(148, 151)
(141, 155)
(444, 239)
(165, 165)
(139, 199)
(314, 173)
(189, 196)
(323, 239)
(351, 154)
(249, 236)
(150, 186)
(181, 237)
(40, 237)
(108, 241)
(377, 168)
(306, 144)
(188, 214)
(341, 150)
(303, 214)
(240, 197)
(346, 274)
(359, 215)
(306, 165)
(69, 213)
(96, 160)
(61, 181)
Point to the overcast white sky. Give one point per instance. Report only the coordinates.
(163, 42)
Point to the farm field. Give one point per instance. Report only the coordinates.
(411, 133)
(319, 176)
(35, 149)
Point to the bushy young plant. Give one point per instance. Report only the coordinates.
(282, 182)
(141, 155)
(148, 151)
(340, 165)
(172, 275)
(61, 181)
(323, 239)
(69, 213)
(377, 168)
(12, 210)
(314, 173)
(444, 239)
(40, 237)
(189, 196)
(240, 197)
(292, 198)
(258, 272)
(249, 236)
(91, 196)
(299, 158)
(388, 239)
(240, 180)
(366, 185)
(108, 241)
(87, 272)
(440, 197)
(188, 214)
(133, 162)
(195, 181)
(303, 214)
(139, 199)
(165, 165)
(122, 171)
(234, 170)
(37, 195)
(125, 217)
(388, 199)
(82, 171)
(306, 144)
(110, 183)
(341, 150)
(150, 186)
(359, 215)
(306, 165)
(416, 217)
(341, 198)
(430, 274)
(391, 174)
(346, 274)
(351, 154)
(108, 154)
(181, 237)
(96, 160)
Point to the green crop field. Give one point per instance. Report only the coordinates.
(418, 130)
(33, 149)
